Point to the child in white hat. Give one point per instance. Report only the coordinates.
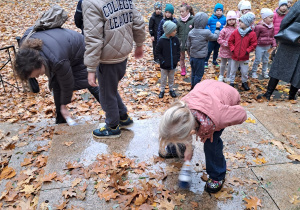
(265, 41)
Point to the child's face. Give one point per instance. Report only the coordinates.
(219, 12)
(173, 33)
(168, 14)
(183, 11)
(158, 11)
(290, 4)
(283, 8)
(231, 22)
(243, 25)
(268, 20)
(245, 11)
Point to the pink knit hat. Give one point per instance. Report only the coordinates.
(231, 15)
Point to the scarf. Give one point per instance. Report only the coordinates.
(184, 19)
(268, 26)
(244, 32)
(281, 13)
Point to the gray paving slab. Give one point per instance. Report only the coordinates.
(282, 181)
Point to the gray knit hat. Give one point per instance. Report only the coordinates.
(248, 19)
(169, 27)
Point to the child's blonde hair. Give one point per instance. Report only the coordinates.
(176, 126)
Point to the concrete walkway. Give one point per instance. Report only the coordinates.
(274, 182)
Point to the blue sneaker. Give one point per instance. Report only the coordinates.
(215, 63)
(107, 132)
(128, 122)
(206, 65)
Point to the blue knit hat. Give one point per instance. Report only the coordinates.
(219, 6)
(169, 8)
(169, 27)
(157, 5)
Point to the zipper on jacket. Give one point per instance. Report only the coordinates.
(171, 54)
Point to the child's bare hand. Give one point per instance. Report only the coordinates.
(218, 24)
(152, 38)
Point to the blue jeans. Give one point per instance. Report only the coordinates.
(213, 46)
(215, 160)
(197, 65)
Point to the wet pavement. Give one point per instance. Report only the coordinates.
(274, 182)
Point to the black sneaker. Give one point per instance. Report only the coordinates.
(107, 132)
(215, 63)
(171, 151)
(172, 93)
(232, 84)
(161, 94)
(245, 86)
(213, 186)
(128, 122)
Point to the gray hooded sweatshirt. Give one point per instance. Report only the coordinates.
(198, 37)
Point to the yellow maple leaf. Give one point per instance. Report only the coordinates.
(260, 161)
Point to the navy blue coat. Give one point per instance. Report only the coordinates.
(160, 30)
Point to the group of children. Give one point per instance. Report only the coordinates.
(232, 38)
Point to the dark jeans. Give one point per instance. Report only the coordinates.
(154, 43)
(215, 160)
(109, 76)
(57, 94)
(197, 65)
(213, 46)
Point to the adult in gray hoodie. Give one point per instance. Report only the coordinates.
(197, 45)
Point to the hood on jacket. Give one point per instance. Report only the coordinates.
(200, 20)
(155, 15)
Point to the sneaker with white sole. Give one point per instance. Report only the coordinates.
(265, 75)
(107, 132)
(221, 78)
(254, 75)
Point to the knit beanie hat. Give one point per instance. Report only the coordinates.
(169, 8)
(157, 5)
(231, 15)
(169, 27)
(248, 19)
(283, 2)
(266, 12)
(246, 5)
(240, 4)
(219, 6)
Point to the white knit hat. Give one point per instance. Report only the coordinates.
(246, 5)
(248, 19)
(266, 12)
(281, 2)
(240, 4)
(231, 15)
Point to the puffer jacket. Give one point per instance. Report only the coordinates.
(63, 51)
(212, 21)
(277, 21)
(219, 101)
(242, 46)
(183, 29)
(160, 30)
(168, 52)
(110, 27)
(78, 16)
(265, 35)
(198, 37)
(223, 41)
(154, 23)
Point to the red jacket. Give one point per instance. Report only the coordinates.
(219, 101)
(242, 46)
(265, 35)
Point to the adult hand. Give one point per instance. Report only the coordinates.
(152, 38)
(273, 48)
(92, 79)
(218, 24)
(64, 111)
(138, 53)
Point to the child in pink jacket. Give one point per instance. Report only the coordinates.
(225, 53)
(279, 14)
(205, 111)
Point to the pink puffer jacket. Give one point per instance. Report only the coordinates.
(277, 21)
(223, 41)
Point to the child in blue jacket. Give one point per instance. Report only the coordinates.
(211, 25)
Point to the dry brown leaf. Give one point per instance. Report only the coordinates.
(295, 199)
(108, 194)
(74, 165)
(80, 194)
(68, 193)
(278, 144)
(194, 205)
(68, 143)
(294, 157)
(145, 206)
(49, 177)
(76, 182)
(204, 177)
(83, 187)
(62, 206)
(252, 203)
(7, 173)
(256, 152)
(140, 200)
(28, 189)
(165, 204)
(222, 195)
(11, 196)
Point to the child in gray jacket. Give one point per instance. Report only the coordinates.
(197, 43)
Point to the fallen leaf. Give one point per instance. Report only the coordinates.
(278, 144)
(145, 206)
(140, 200)
(68, 193)
(204, 177)
(108, 194)
(249, 120)
(28, 189)
(294, 157)
(222, 195)
(76, 182)
(260, 161)
(49, 177)
(62, 206)
(194, 205)
(256, 152)
(68, 143)
(253, 202)
(165, 204)
(295, 199)
(7, 173)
